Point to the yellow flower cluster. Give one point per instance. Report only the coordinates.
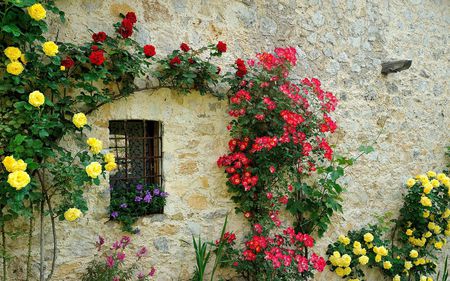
(72, 214)
(344, 240)
(79, 120)
(95, 145)
(381, 252)
(37, 12)
(50, 48)
(17, 178)
(14, 67)
(424, 278)
(36, 98)
(110, 162)
(358, 249)
(94, 170)
(342, 263)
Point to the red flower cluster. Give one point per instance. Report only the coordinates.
(67, 62)
(184, 47)
(291, 118)
(289, 54)
(271, 105)
(96, 57)
(227, 237)
(99, 37)
(326, 147)
(268, 61)
(264, 143)
(175, 60)
(149, 50)
(329, 125)
(221, 47)
(126, 27)
(240, 95)
(241, 68)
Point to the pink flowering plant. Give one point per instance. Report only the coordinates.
(111, 264)
(283, 256)
(280, 141)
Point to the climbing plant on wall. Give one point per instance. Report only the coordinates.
(46, 88)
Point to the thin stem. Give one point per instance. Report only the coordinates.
(41, 244)
(52, 220)
(30, 236)
(3, 246)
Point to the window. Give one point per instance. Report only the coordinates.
(137, 146)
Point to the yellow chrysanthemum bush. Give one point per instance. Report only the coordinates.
(405, 251)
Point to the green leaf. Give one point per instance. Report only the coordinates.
(366, 149)
(13, 29)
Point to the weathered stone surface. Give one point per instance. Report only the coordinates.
(341, 42)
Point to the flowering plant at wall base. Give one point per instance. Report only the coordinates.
(132, 202)
(113, 263)
(186, 69)
(280, 136)
(280, 256)
(409, 250)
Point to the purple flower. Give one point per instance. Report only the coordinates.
(110, 261)
(99, 243)
(121, 256)
(140, 276)
(123, 205)
(137, 199)
(164, 194)
(156, 192)
(125, 241)
(142, 252)
(152, 271)
(114, 214)
(139, 187)
(148, 197)
(116, 245)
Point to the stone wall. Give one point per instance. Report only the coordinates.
(341, 42)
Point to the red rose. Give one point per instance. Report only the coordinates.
(218, 70)
(99, 37)
(67, 62)
(221, 47)
(96, 57)
(191, 61)
(149, 50)
(126, 28)
(131, 16)
(241, 68)
(184, 47)
(94, 48)
(175, 60)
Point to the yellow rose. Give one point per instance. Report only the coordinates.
(408, 265)
(437, 229)
(62, 68)
(18, 179)
(109, 157)
(447, 233)
(426, 214)
(356, 244)
(378, 258)
(344, 239)
(413, 254)
(20, 165)
(427, 188)
(340, 271)
(50, 48)
(427, 234)
(23, 59)
(410, 182)
(9, 163)
(387, 265)
(79, 120)
(431, 174)
(12, 53)
(94, 170)
(110, 166)
(347, 271)
(441, 176)
(36, 99)
(425, 201)
(363, 260)
(37, 12)
(435, 183)
(409, 232)
(396, 278)
(446, 214)
(368, 237)
(431, 225)
(438, 245)
(429, 279)
(95, 145)
(423, 278)
(14, 68)
(72, 214)
(346, 260)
